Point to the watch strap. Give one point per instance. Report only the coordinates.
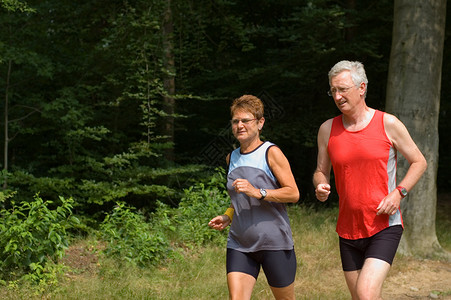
(402, 190)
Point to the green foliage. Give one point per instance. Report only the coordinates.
(105, 182)
(163, 220)
(85, 82)
(96, 140)
(131, 239)
(134, 239)
(15, 5)
(199, 205)
(32, 236)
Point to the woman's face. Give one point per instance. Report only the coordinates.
(245, 127)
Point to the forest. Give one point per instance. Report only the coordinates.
(110, 108)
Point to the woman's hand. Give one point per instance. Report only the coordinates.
(220, 222)
(243, 186)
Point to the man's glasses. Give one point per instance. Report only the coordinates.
(235, 122)
(341, 91)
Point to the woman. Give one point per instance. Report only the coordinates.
(259, 183)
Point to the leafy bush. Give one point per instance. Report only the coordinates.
(131, 238)
(199, 205)
(32, 234)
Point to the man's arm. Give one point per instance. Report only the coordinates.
(404, 144)
(321, 176)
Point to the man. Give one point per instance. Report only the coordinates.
(361, 145)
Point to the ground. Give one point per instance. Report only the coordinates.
(82, 260)
(409, 278)
(419, 279)
(413, 279)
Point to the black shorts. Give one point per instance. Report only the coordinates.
(382, 245)
(279, 266)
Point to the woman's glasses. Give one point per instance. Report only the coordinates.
(235, 122)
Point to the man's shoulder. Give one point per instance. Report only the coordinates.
(325, 129)
(330, 121)
(390, 120)
(327, 124)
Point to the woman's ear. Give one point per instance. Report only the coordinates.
(261, 122)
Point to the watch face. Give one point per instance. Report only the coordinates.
(404, 192)
(263, 192)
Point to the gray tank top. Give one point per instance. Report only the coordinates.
(257, 225)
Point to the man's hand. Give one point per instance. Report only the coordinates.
(390, 204)
(322, 191)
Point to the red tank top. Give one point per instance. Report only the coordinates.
(364, 165)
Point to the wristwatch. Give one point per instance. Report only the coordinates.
(402, 190)
(264, 193)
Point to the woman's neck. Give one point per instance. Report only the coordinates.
(250, 146)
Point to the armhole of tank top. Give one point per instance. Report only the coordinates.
(385, 131)
(336, 119)
(267, 161)
(228, 159)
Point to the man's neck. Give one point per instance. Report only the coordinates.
(358, 119)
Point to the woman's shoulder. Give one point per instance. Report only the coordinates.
(274, 151)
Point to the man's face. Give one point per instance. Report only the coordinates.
(344, 92)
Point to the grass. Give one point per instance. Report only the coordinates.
(199, 273)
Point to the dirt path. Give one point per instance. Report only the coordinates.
(419, 280)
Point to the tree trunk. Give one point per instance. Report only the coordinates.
(169, 79)
(413, 95)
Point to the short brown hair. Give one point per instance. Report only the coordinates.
(250, 104)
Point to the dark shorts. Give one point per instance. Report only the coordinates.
(382, 245)
(279, 266)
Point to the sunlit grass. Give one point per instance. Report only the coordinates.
(319, 273)
(199, 272)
